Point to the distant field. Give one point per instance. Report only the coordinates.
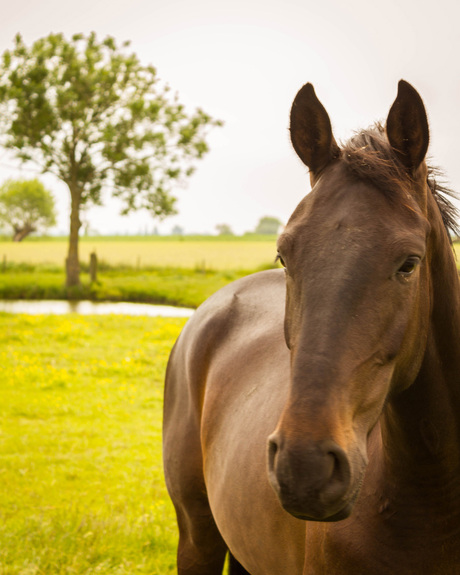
(457, 253)
(203, 253)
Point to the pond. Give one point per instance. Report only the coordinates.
(59, 307)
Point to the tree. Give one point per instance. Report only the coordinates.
(268, 225)
(91, 114)
(224, 230)
(26, 206)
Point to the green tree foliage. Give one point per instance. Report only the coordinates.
(91, 114)
(224, 230)
(268, 225)
(26, 206)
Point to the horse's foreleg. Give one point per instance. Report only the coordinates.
(201, 549)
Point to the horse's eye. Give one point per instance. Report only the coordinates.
(409, 266)
(280, 260)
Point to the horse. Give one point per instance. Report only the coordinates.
(312, 413)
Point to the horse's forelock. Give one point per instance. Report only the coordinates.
(369, 156)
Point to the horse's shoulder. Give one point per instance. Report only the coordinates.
(238, 307)
(241, 302)
(222, 326)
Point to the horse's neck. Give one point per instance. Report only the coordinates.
(421, 426)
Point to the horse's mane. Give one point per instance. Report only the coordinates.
(368, 155)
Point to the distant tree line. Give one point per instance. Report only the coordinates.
(268, 225)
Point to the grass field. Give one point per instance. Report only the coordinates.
(80, 449)
(158, 252)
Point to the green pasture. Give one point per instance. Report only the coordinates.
(80, 446)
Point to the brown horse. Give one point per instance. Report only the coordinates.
(347, 363)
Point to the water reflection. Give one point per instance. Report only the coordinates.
(59, 307)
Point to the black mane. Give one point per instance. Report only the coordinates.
(368, 155)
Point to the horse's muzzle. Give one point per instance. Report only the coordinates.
(312, 480)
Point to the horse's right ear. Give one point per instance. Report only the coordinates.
(311, 132)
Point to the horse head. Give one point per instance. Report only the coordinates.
(356, 256)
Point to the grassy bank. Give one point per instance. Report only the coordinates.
(80, 448)
(173, 286)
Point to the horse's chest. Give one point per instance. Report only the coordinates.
(348, 548)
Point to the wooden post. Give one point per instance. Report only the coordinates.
(93, 267)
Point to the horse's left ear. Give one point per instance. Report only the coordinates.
(407, 127)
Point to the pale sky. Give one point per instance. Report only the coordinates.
(243, 61)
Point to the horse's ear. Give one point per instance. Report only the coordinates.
(407, 127)
(311, 132)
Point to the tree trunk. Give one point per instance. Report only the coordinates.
(21, 233)
(73, 262)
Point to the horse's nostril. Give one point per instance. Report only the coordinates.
(340, 475)
(272, 451)
(341, 469)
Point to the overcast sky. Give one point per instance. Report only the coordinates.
(243, 61)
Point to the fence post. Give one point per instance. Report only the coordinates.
(93, 267)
